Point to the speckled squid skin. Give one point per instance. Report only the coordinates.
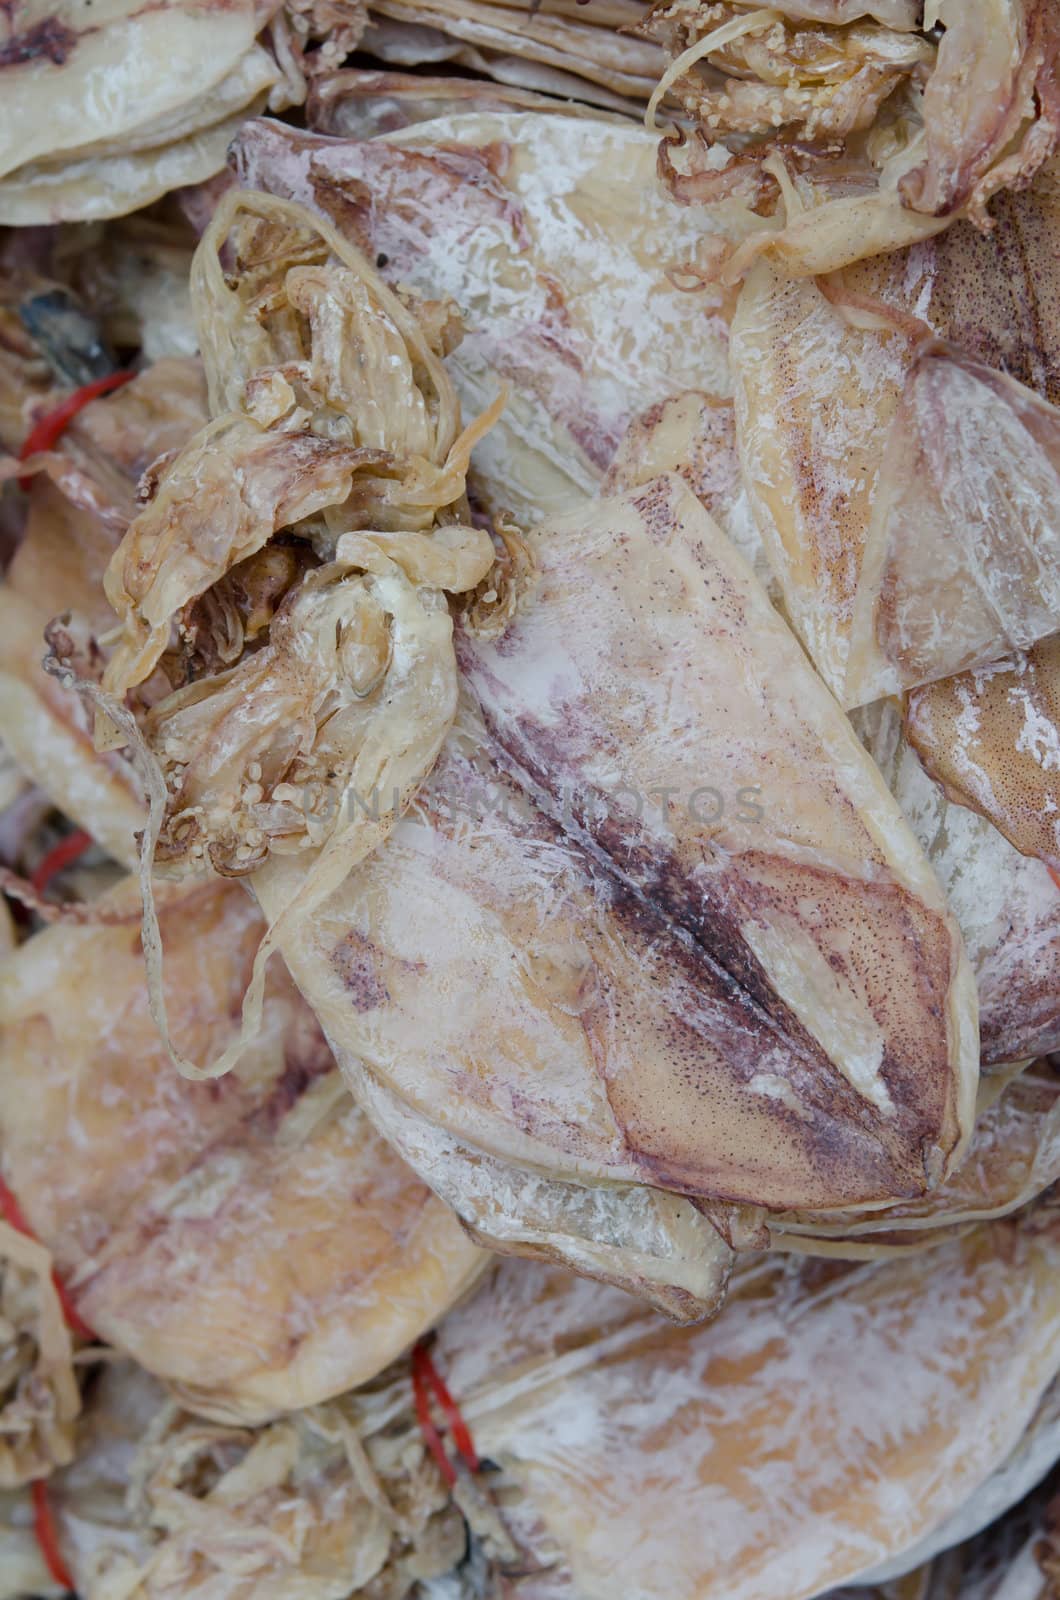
(252, 1241)
(991, 738)
(774, 1010)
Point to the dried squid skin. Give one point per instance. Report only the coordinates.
(577, 53)
(876, 1394)
(87, 135)
(1007, 905)
(343, 391)
(853, 429)
(317, 1505)
(994, 86)
(1013, 1157)
(254, 323)
(991, 738)
(358, 103)
(931, 603)
(252, 1242)
(1013, 1558)
(229, 491)
(264, 756)
(562, 254)
(620, 984)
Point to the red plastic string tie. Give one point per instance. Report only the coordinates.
(47, 1537)
(426, 1379)
(59, 856)
(47, 430)
(12, 1214)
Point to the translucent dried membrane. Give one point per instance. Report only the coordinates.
(340, 707)
(318, 376)
(321, 1505)
(1012, 1158)
(579, 53)
(907, 493)
(254, 1243)
(916, 135)
(108, 110)
(111, 107)
(597, 1006)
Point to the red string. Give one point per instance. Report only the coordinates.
(12, 1214)
(1054, 875)
(49, 428)
(47, 1537)
(425, 1379)
(61, 855)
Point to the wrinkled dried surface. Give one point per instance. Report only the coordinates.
(561, 252)
(961, 552)
(695, 999)
(39, 1397)
(1007, 905)
(918, 129)
(334, 412)
(992, 740)
(830, 1418)
(318, 1505)
(252, 1241)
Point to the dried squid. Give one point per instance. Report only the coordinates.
(288, 572)
(108, 109)
(78, 507)
(39, 1394)
(654, 929)
(570, 267)
(867, 128)
(906, 490)
(705, 1462)
(252, 1242)
(580, 53)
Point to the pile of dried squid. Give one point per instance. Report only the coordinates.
(530, 800)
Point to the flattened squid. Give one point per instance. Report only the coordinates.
(906, 490)
(615, 978)
(254, 1242)
(836, 1419)
(107, 109)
